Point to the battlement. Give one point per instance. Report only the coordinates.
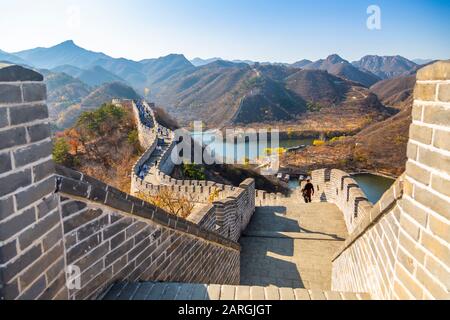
(56, 221)
(399, 248)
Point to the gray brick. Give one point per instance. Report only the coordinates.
(8, 251)
(38, 230)
(71, 208)
(24, 114)
(76, 221)
(16, 224)
(51, 291)
(52, 237)
(117, 240)
(43, 170)
(14, 181)
(10, 94)
(74, 188)
(117, 227)
(3, 117)
(92, 227)
(34, 92)
(6, 208)
(47, 205)
(118, 252)
(32, 153)
(118, 202)
(35, 290)
(56, 269)
(35, 193)
(15, 73)
(5, 162)
(39, 266)
(68, 173)
(95, 255)
(26, 259)
(12, 137)
(9, 291)
(39, 132)
(83, 247)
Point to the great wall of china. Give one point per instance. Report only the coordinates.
(52, 218)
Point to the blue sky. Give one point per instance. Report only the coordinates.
(261, 30)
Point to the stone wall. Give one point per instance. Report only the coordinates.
(31, 242)
(233, 208)
(113, 236)
(53, 221)
(401, 249)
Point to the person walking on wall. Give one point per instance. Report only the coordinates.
(308, 191)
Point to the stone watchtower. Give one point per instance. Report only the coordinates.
(31, 241)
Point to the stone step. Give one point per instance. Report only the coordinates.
(188, 291)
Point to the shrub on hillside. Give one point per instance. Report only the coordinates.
(61, 153)
(102, 120)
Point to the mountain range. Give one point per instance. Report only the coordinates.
(215, 91)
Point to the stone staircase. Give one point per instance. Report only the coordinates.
(188, 291)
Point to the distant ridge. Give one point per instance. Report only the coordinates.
(335, 65)
(386, 67)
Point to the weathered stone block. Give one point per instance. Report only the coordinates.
(436, 115)
(52, 237)
(39, 132)
(436, 71)
(418, 173)
(8, 251)
(421, 134)
(425, 91)
(116, 228)
(6, 207)
(35, 192)
(14, 181)
(17, 224)
(440, 184)
(27, 113)
(34, 92)
(38, 230)
(3, 117)
(5, 162)
(10, 93)
(117, 240)
(118, 202)
(431, 285)
(73, 187)
(39, 266)
(439, 227)
(83, 248)
(32, 153)
(442, 139)
(411, 151)
(43, 170)
(434, 160)
(47, 205)
(35, 290)
(417, 112)
(9, 291)
(71, 208)
(78, 220)
(92, 227)
(15, 73)
(26, 259)
(440, 250)
(444, 92)
(118, 252)
(12, 137)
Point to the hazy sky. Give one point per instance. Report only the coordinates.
(261, 30)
